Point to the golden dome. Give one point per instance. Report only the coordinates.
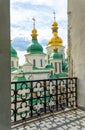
(34, 33)
(55, 40)
(54, 25)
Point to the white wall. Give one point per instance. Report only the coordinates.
(15, 61)
(58, 61)
(37, 76)
(76, 39)
(61, 50)
(37, 57)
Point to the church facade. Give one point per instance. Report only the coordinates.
(40, 65)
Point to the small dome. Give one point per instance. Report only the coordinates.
(59, 40)
(56, 55)
(13, 52)
(34, 31)
(54, 24)
(35, 47)
(55, 41)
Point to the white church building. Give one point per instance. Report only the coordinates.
(40, 65)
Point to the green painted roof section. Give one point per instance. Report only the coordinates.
(60, 75)
(21, 85)
(19, 78)
(55, 55)
(49, 66)
(13, 52)
(35, 47)
(66, 60)
(65, 67)
(53, 76)
(13, 69)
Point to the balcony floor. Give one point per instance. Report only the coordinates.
(71, 120)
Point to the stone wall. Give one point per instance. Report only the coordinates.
(5, 84)
(76, 44)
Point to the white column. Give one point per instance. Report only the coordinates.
(76, 19)
(5, 85)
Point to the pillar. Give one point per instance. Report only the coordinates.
(5, 123)
(76, 43)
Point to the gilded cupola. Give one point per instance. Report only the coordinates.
(55, 40)
(34, 31)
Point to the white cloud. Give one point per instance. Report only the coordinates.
(21, 19)
(51, 3)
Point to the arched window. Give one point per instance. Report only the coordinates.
(48, 59)
(17, 63)
(41, 63)
(51, 72)
(51, 64)
(34, 63)
(55, 66)
(12, 64)
(60, 67)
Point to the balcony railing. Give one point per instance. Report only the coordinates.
(30, 99)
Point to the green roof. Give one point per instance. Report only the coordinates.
(53, 76)
(13, 52)
(49, 66)
(19, 78)
(13, 69)
(60, 75)
(21, 85)
(35, 47)
(55, 55)
(65, 67)
(66, 60)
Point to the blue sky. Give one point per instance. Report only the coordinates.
(22, 12)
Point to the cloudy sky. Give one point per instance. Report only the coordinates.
(22, 12)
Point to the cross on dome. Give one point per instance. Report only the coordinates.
(54, 15)
(33, 22)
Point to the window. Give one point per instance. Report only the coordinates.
(55, 66)
(60, 67)
(34, 63)
(51, 64)
(17, 63)
(51, 72)
(48, 59)
(12, 64)
(41, 63)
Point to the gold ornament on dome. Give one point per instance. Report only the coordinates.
(55, 40)
(34, 31)
(55, 49)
